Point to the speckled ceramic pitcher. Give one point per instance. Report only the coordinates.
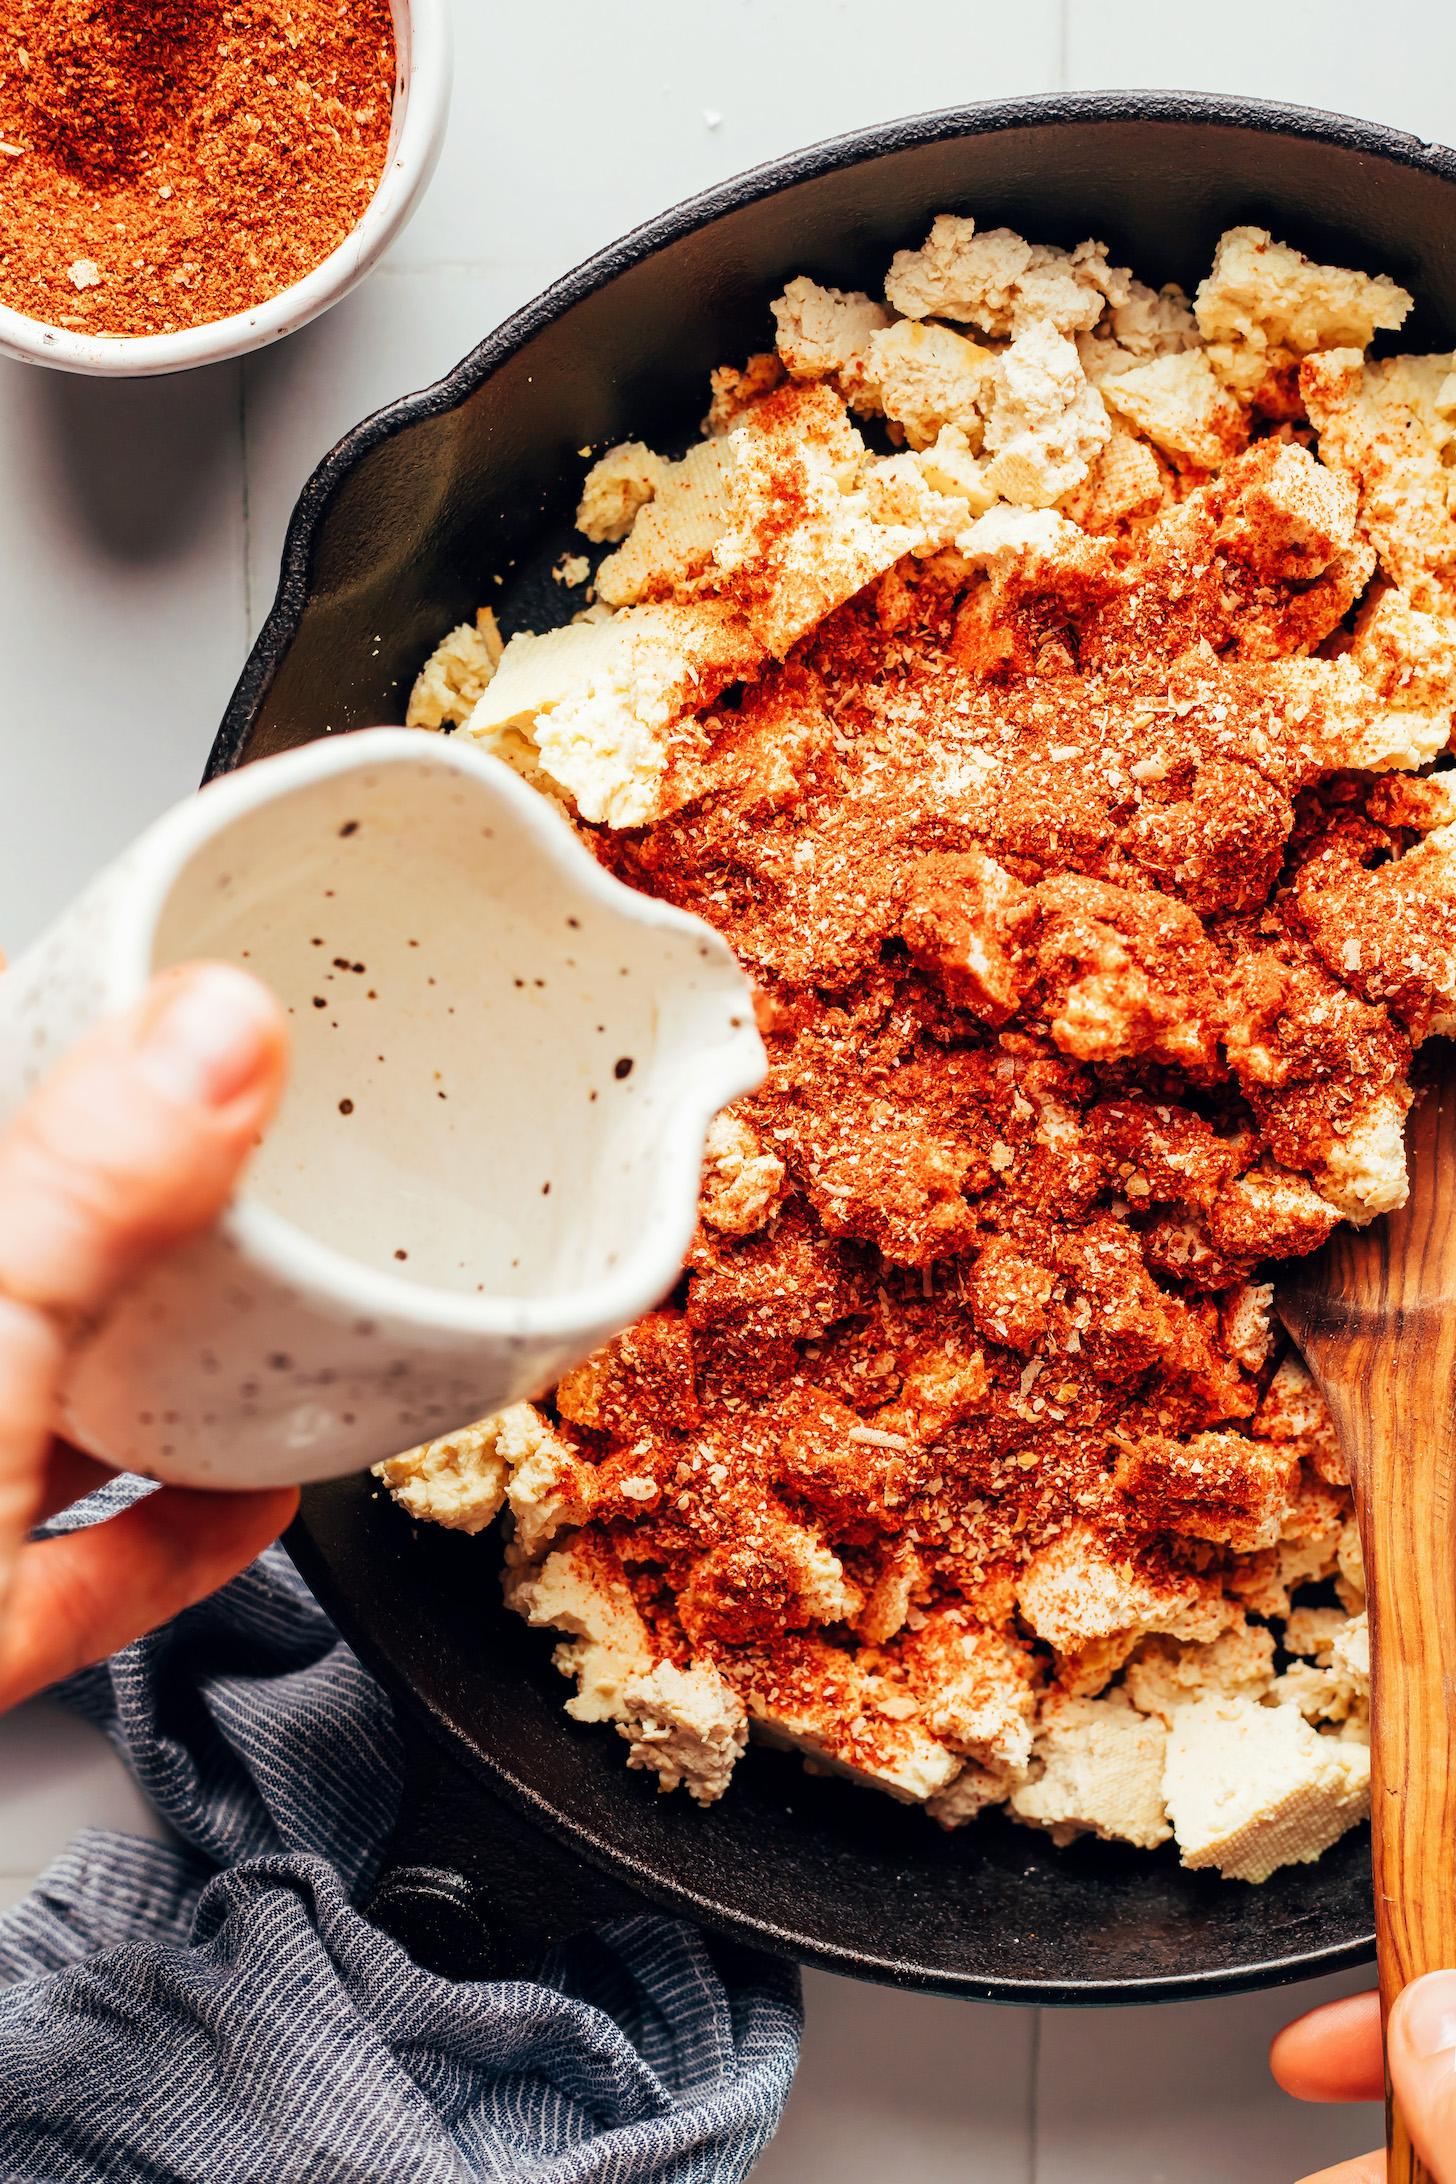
(487, 1160)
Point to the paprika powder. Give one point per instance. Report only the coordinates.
(164, 163)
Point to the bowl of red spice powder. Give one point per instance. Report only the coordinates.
(185, 180)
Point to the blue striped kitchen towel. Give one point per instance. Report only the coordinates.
(217, 2011)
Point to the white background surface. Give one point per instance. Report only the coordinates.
(140, 528)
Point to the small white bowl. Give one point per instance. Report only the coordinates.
(421, 109)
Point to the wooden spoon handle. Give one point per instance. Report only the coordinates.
(1399, 1427)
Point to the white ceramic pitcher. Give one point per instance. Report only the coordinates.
(488, 1156)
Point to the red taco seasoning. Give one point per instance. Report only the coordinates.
(164, 163)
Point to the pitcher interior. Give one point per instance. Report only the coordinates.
(484, 1054)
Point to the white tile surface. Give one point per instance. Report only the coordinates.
(873, 2060)
(59, 1773)
(1181, 2095)
(139, 535)
(1395, 65)
(574, 121)
(121, 614)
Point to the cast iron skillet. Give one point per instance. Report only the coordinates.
(521, 1822)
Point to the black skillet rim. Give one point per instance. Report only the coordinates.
(1263, 117)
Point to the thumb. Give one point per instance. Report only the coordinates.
(133, 1142)
(1421, 2049)
(137, 1138)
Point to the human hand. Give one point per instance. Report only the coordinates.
(133, 1144)
(1333, 2054)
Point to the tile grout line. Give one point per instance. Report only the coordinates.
(247, 505)
(1033, 2090)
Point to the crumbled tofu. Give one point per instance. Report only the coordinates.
(902, 1759)
(825, 1594)
(1092, 1605)
(958, 274)
(1068, 289)
(1177, 403)
(1310, 1633)
(1350, 1652)
(1250, 1788)
(593, 707)
(807, 452)
(888, 1600)
(929, 377)
(898, 492)
(809, 1581)
(1270, 1213)
(973, 1790)
(735, 392)
(743, 1180)
(717, 525)
(1334, 1684)
(1126, 482)
(1350, 1564)
(673, 538)
(940, 1390)
(1312, 1691)
(1102, 357)
(1293, 521)
(950, 467)
(824, 333)
(686, 1726)
(1264, 303)
(548, 1489)
(1364, 1172)
(618, 485)
(1044, 423)
(580, 1589)
(1148, 322)
(1217, 1486)
(453, 680)
(1097, 1768)
(1393, 739)
(1408, 656)
(1247, 1318)
(1054, 639)
(1293, 1411)
(1266, 1582)
(1314, 1527)
(1390, 427)
(458, 1481)
(997, 281)
(1164, 1675)
(964, 921)
(974, 1689)
(1004, 537)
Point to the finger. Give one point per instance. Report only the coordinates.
(1421, 2043)
(1332, 2053)
(1365, 2169)
(30, 1363)
(80, 1596)
(135, 1139)
(138, 1137)
(68, 1477)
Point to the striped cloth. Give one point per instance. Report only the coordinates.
(216, 2011)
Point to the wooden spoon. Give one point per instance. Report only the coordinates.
(1375, 1315)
